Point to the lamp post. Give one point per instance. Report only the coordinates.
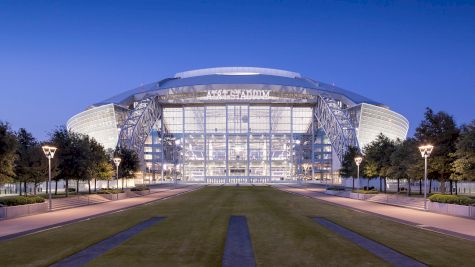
(117, 163)
(49, 153)
(425, 153)
(358, 161)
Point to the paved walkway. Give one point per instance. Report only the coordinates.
(446, 224)
(29, 224)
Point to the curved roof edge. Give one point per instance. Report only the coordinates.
(237, 71)
(237, 75)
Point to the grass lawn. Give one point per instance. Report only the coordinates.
(195, 229)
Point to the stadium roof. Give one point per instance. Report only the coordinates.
(237, 75)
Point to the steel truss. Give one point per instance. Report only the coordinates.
(138, 125)
(334, 120)
(331, 117)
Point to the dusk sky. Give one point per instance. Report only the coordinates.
(58, 57)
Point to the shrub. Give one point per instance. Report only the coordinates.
(336, 188)
(372, 191)
(109, 191)
(71, 190)
(20, 200)
(452, 199)
(140, 188)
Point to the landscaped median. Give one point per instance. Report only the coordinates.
(140, 190)
(355, 194)
(112, 194)
(17, 206)
(452, 205)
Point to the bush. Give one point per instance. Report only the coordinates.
(452, 199)
(71, 190)
(140, 188)
(336, 188)
(372, 191)
(20, 200)
(109, 191)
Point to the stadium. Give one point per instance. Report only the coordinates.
(238, 125)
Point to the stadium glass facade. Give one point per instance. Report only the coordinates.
(238, 125)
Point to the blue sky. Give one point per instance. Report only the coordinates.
(58, 57)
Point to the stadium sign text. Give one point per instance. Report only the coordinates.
(249, 94)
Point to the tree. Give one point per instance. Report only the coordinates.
(405, 162)
(8, 146)
(463, 167)
(72, 155)
(30, 163)
(99, 164)
(348, 165)
(378, 153)
(440, 130)
(105, 172)
(129, 164)
(370, 170)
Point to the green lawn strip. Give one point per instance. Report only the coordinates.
(192, 236)
(196, 237)
(45, 248)
(195, 229)
(426, 246)
(283, 236)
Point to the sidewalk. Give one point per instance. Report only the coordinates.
(29, 224)
(446, 224)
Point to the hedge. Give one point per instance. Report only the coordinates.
(140, 188)
(20, 200)
(372, 191)
(110, 191)
(336, 188)
(452, 199)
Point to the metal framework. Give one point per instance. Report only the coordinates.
(138, 125)
(334, 120)
(329, 113)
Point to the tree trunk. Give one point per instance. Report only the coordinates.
(67, 187)
(56, 187)
(47, 187)
(89, 186)
(77, 187)
(456, 188)
(95, 185)
(398, 185)
(367, 187)
(108, 184)
(20, 190)
(26, 188)
(353, 187)
(420, 186)
(385, 184)
(430, 186)
(380, 185)
(408, 187)
(122, 183)
(34, 188)
(442, 184)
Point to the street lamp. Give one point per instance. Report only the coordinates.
(117, 163)
(49, 153)
(425, 153)
(358, 161)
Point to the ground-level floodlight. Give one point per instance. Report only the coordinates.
(358, 161)
(49, 153)
(117, 163)
(425, 150)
